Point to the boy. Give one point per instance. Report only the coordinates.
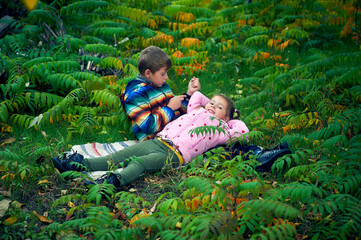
(148, 100)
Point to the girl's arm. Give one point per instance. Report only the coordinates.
(197, 100)
(237, 128)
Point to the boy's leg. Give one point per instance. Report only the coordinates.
(101, 163)
(156, 158)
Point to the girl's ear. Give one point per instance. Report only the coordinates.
(226, 119)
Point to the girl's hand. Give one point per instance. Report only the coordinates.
(193, 86)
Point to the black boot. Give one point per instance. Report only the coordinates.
(67, 164)
(111, 179)
(268, 157)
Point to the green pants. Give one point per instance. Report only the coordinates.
(150, 156)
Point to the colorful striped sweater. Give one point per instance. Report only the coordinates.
(146, 106)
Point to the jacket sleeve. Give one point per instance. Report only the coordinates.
(149, 120)
(237, 128)
(197, 99)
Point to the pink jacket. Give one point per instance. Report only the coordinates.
(192, 145)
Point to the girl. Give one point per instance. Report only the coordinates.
(174, 142)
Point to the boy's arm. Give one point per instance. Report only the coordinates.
(149, 120)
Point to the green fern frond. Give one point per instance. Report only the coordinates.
(100, 190)
(101, 50)
(71, 43)
(111, 62)
(5, 108)
(46, 68)
(302, 192)
(173, 9)
(135, 14)
(22, 121)
(110, 32)
(82, 6)
(210, 225)
(93, 40)
(7, 156)
(281, 231)
(355, 93)
(340, 124)
(36, 61)
(15, 43)
(107, 98)
(42, 16)
(31, 30)
(296, 33)
(15, 85)
(275, 208)
(297, 172)
(61, 81)
(256, 40)
(207, 130)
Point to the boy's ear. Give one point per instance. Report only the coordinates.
(147, 73)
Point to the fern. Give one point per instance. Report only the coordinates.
(101, 50)
(275, 208)
(82, 6)
(62, 81)
(107, 98)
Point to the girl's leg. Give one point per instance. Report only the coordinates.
(156, 158)
(103, 163)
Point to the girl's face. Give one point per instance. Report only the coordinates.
(218, 107)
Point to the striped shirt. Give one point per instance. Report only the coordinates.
(146, 106)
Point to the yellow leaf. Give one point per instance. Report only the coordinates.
(70, 204)
(8, 140)
(30, 4)
(42, 218)
(8, 176)
(10, 221)
(140, 215)
(44, 181)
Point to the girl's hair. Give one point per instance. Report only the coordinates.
(231, 112)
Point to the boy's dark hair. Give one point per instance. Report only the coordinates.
(153, 58)
(231, 112)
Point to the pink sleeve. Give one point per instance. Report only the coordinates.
(197, 99)
(237, 128)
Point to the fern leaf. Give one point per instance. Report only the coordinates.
(101, 49)
(82, 6)
(107, 98)
(277, 209)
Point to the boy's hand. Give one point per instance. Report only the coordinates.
(176, 102)
(193, 86)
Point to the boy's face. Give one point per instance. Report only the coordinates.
(158, 78)
(218, 107)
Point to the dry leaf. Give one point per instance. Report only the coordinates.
(42, 218)
(5, 193)
(10, 221)
(44, 181)
(132, 190)
(70, 204)
(8, 140)
(16, 204)
(30, 4)
(4, 205)
(118, 215)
